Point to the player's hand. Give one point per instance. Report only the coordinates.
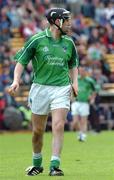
(92, 99)
(75, 89)
(13, 89)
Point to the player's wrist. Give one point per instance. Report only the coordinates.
(15, 82)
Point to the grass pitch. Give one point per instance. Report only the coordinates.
(91, 160)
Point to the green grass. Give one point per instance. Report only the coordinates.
(92, 160)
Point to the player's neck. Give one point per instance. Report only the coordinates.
(56, 34)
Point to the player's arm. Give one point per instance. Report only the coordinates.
(18, 72)
(23, 57)
(95, 89)
(73, 66)
(13, 89)
(92, 98)
(74, 78)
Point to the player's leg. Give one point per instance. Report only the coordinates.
(84, 112)
(59, 106)
(83, 123)
(38, 128)
(79, 124)
(75, 124)
(58, 121)
(83, 128)
(75, 115)
(40, 109)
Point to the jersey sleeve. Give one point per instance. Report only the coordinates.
(26, 53)
(74, 61)
(95, 86)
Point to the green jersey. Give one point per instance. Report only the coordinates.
(86, 86)
(51, 59)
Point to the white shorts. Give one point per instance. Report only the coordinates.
(80, 108)
(42, 98)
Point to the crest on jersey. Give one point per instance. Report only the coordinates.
(45, 49)
(64, 48)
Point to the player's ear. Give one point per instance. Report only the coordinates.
(57, 21)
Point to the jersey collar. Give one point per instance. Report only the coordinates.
(48, 32)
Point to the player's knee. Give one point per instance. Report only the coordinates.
(38, 131)
(59, 126)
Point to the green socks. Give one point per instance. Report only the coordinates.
(37, 159)
(55, 162)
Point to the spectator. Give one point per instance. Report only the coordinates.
(88, 9)
(99, 77)
(4, 25)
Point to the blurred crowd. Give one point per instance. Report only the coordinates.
(92, 32)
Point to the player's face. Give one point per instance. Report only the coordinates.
(67, 26)
(82, 71)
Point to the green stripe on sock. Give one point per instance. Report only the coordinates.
(54, 163)
(37, 162)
